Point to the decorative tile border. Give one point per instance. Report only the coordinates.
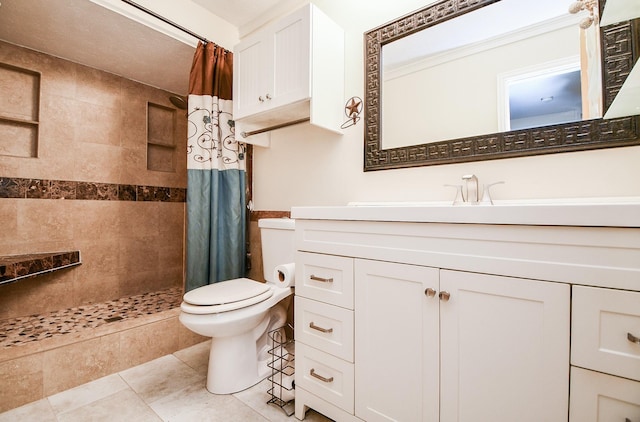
(14, 187)
(16, 267)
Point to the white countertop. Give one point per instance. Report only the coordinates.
(594, 212)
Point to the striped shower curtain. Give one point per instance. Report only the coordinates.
(216, 173)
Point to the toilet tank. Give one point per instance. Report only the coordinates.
(278, 243)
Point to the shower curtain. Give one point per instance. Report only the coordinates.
(216, 174)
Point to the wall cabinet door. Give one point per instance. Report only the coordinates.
(396, 342)
(504, 349)
(271, 68)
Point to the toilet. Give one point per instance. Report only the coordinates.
(238, 314)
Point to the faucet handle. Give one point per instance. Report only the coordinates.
(486, 194)
(459, 198)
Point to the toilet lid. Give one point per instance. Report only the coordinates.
(226, 292)
(216, 309)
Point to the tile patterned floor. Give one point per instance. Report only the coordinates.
(24, 330)
(171, 388)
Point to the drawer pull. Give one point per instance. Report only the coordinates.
(320, 279)
(322, 330)
(632, 338)
(320, 377)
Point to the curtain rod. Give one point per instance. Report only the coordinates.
(165, 20)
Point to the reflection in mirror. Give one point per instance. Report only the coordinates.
(617, 50)
(495, 67)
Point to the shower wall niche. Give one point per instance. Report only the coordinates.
(19, 111)
(161, 138)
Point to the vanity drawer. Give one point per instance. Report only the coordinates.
(326, 327)
(597, 397)
(605, 331)
(326, 376)
(326, 278)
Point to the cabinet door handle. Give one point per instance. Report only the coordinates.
(627, 420)
(320, 279)
(430, 292)
(632, 338)
(444, 296)
(261, 99)
(268, 97)
(322, 330)
(320, 377)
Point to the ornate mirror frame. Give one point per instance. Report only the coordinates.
(620, 49)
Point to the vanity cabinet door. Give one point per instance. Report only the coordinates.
(504, 348)
(396, 342)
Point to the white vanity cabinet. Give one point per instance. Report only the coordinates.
(470, 322)
(605, 352)
(457, 346)
(282, 70)
(324, 333)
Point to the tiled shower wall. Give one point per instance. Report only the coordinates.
(92, 130)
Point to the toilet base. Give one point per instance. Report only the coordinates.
(239, 362)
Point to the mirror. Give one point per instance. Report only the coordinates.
(404, 110)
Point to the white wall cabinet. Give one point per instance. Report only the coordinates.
(495, 347)
(292, 69)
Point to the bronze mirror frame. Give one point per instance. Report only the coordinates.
(620, 49)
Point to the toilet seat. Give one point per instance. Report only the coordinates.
(225, 296)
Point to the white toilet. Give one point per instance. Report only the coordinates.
(237, 314)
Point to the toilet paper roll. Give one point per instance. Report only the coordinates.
(287, 392)
(284, 275)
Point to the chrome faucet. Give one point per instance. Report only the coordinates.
(471, 188)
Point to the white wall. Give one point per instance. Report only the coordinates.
(306, 166)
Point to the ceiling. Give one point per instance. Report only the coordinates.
(87, 33)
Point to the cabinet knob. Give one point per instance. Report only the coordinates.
(268, 96)
(632, 338)
(261, 99)
(430, 292)
(444, 296)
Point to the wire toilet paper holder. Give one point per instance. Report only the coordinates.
(282, 364)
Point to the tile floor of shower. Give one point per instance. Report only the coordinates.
(21, 331)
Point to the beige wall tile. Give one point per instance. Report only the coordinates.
(77, 363)
(21, 381)
(43, 293)
(44, 220)
(95, 289)
(97, 87)
(148, 342)
(100, 125)
(9, 218)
